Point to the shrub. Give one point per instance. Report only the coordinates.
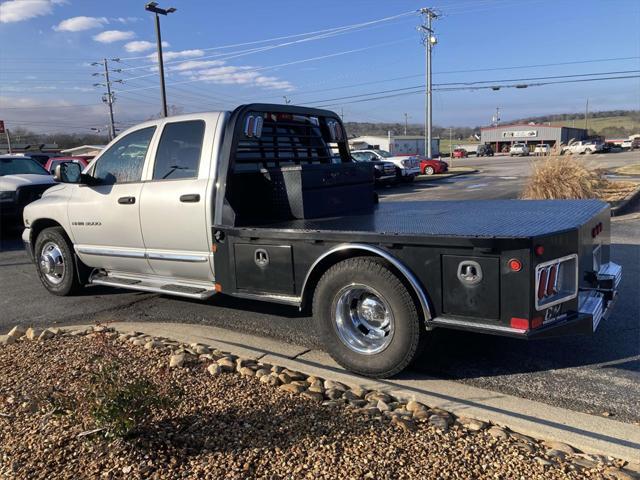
(563, 178)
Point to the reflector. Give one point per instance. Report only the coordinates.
(520, 323)
(542, 285)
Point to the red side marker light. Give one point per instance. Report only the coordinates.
(539, 249)
(515, 265)
(536, 322)
(520, 323)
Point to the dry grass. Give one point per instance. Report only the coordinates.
(563, 178)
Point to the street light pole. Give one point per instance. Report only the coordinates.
(153, 7)
(429, 41)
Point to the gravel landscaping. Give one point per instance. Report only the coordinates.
(230, 417)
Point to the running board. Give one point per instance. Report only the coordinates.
(144, 284)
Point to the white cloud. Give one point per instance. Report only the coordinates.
(18, 10)
(110, 36)
(78, 24)
(125, 20)
(244, 75)
(196, 64)
(176, 55)
(141, 46)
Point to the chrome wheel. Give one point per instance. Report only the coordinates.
(363, 319)
(51, 263)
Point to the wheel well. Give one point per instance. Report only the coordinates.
(38, 226)
(319, 269)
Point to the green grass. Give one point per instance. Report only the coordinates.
(597, 125)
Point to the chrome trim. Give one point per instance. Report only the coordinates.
(177, 257)
(268, 297)
(131, 253)
(110, 252)
(565, 298)
(411, 278)
(610, 271)
(465, 323)
(592, 303)
(153, 289)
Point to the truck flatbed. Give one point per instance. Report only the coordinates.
(487, 219)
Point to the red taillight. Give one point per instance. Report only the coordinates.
(520, 323)
(539, 249)
(536, 322)
(542, 284)
(551, 281)
(515, 265)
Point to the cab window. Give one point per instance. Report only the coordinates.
(178, 154)
(123, 162)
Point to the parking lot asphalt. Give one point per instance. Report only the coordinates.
(597, 374)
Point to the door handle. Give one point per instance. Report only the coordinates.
(190, 198)
(127, 200)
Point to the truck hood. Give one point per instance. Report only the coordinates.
(12, 182)
(397, 160)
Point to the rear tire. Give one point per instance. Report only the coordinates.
(54, 259)
(366, 318)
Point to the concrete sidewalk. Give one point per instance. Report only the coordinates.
(589, 433)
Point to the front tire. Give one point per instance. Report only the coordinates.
(54, 259)
(429, 171)
(366, 318)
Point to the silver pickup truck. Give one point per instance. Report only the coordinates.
(253, 204)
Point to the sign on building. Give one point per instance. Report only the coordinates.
(520, 134)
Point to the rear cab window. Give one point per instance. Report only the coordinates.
(179, 150)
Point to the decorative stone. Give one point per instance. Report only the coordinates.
(55, 330)
(153, 344)
(584, 463)
(17, 331)
(261, 372)
(315, 396)
(333, 393)
(359, 391)
(291, 388)
(45, 335)
(351, 395)
(498, 432)
(358, 403)
(226, 364)
(294, 375)
(202, 349)
(140, 342)
(302, 383)
(331, 384)
(421, 414)
(370, 411)
(543, 462)
(404, 423)
(439, 421)
(412, 406)
(32, 333)
(6, 340)
(317, 388)
(214, 369)
(177, 360)
(473, 424)
(382, 406)
(333, 403)
(247, 372)
(276, 369)
(270, 380)
(619, 474)
(284, 378)
(563, 447)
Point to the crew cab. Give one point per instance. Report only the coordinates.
(582, 147)
(519, 149)
(407, 167)
(249, 204)
(22, 180)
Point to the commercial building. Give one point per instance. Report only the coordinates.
(506, 135)
(396, 144)
(85, 151)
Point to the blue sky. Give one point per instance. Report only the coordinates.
(46, 81)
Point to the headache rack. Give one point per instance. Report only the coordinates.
(288, 165)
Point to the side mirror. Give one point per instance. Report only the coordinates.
(68, 172)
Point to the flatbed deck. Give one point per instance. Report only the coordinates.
(485, 219)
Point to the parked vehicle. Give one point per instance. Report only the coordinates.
(459, 153)
(249, 204)
(407, 167)
(22, 180)
(53, 162)
(470, 148)
(542, 149)
(484, 151)
(626, 144)
(385, 172)
(430, 166)
(635, 143)
(582, 147)
(41, 157)
(519, 149)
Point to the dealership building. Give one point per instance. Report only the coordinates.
(506, 135)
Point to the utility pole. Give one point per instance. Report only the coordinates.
(586, 117)
(450, 144)
(342, 113)
(108, 97)
(429, 40)
(287, 100)
(406, 116)
(153, 7)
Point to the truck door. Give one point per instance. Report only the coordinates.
(104, 217)
(173, 208)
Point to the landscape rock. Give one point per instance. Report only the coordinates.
(17, 331)
(412, 406)
(294, 375)
(270, 380)
(563, 447)
(421, 414)
(333, 393)
(359, 391)
(202, 349)
(261, 372)
(177, 361)
(315, 396)
(382, 406)
(291, 388)
(404, 423)
(226, 364)
(439, 421)
(153, 344)
(45, 335)
(543, 462)
(247, 372)
(498, 432)
(370, 411)
(6, 340)
(376, 396)
(32, 333)
(214, 369)
(332, 384)
(473, 424)
(619, 474)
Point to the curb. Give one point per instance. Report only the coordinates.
(626, 204)
(442, 176)
(588, 433)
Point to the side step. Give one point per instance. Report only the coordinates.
(147, 284)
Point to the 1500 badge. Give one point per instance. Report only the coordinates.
(86, 224)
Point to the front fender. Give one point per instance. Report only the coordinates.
(51, 208)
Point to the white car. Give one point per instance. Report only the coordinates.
(22, 180)
(519, 149)
(408, 168)
(626, 145)
(542, 149)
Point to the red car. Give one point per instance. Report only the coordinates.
(460, 153)
(53, 162)
(429, 166)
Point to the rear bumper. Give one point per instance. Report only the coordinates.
(595, 305)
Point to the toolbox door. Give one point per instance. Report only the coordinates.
(264, 268)
(471, 286)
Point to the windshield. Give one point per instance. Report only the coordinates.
(20, 165)
(384, 153)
